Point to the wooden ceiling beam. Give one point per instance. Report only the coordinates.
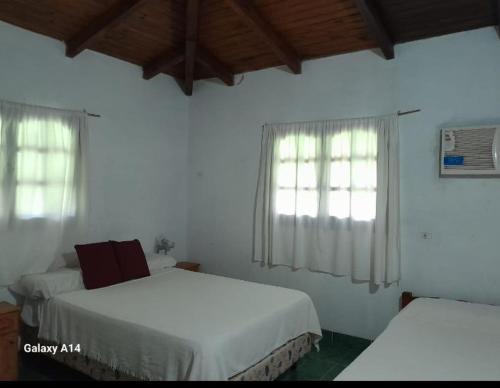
(181, 83)
(250, 14)
(498, 17)
(192, 13)
(373, 21)
(110, 18)
(218, 68)
(160, 64)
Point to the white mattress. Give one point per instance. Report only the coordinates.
(179, 325)
(434, 339)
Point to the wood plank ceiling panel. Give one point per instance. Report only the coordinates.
(103, 23)
(321, 29)
(154, 28)
(312, 28)
(58, 19)
(420, 19)
(229, 39)
(157, 27)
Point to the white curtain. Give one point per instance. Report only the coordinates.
(328, 198)
(43, 193)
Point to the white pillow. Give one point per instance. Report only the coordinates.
(49, 284)
(157, 262)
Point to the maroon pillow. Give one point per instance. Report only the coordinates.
(131, 259)
(99, 265)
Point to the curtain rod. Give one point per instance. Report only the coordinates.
(399, 113)
(408, 112)
(46, 107)
(91, 114)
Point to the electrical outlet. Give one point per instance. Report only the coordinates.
(426, 235)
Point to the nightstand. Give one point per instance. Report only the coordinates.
(9, 332)
(195, 267)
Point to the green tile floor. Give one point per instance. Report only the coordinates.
(336, 352)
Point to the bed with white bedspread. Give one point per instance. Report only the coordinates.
(179, 325)
(434, 339)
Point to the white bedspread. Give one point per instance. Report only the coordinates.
(434, 339)
(179, 325)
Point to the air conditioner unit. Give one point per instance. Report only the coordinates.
(471, 151)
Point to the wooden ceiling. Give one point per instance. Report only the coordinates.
(198, 39)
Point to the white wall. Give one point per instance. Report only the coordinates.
(454, 79)
(138, 148)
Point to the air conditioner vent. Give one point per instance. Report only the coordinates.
(470, 151)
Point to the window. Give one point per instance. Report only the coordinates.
(43, 186)
(327, 197)
(39, 169)
(349, 157)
